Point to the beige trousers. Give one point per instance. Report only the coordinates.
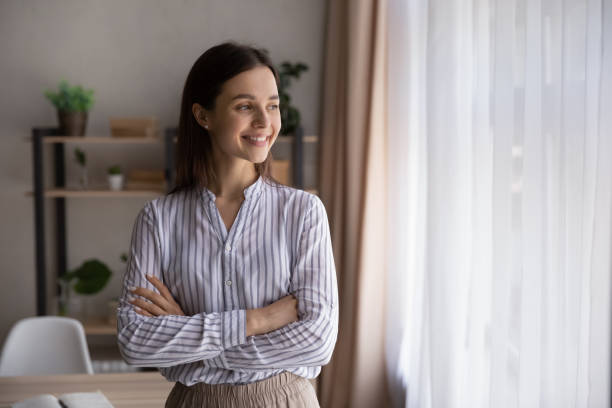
(285, 390)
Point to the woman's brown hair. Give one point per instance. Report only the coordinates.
(194, 167)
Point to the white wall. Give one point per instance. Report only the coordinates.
(135, 54)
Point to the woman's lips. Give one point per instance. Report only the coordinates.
(259, 141)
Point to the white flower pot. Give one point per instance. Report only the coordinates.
(115, 182)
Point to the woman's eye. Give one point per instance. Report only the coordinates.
(273, 107)
(244, 107)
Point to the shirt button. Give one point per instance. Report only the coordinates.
(228, 282)
(228, 248)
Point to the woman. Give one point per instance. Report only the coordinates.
(230, 286)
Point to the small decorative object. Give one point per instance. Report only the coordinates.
(134, 127)
(72, 103)
(290, 116)
(88, 279)
(115, 178)
(81, 159)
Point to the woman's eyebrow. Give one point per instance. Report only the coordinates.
(249, 96)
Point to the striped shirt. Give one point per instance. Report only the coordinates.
(279, 244)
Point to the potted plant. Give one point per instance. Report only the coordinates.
(72, 103)
(88, 279)
(81, 158)
(115, 178)
(290, 116)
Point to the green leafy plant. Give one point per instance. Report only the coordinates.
(114, 170)
(89, 278)
(80, 156)
(290, 116)
(71, 98)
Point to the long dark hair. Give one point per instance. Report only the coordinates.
(194, 166)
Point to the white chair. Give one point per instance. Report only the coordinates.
(45, 345)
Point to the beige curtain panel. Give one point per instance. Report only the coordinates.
(352, 184)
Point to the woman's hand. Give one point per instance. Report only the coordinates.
(272, 317)
(156, 304)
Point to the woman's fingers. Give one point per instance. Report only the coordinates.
(153, 297)
(160, 287)
(142, 312)
(149, 307)
(172, 307)
(163, 303)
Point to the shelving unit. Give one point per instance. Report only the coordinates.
(59, 193)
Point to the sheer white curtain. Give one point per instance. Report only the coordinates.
(500, 163)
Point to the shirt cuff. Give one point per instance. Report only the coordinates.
(234, 328)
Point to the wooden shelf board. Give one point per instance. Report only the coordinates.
(56, 193)
(99, 140)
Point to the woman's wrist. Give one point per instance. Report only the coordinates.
(271, 317)
(255, 321)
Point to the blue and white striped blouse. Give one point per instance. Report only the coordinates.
(279, 244)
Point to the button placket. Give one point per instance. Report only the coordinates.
(227, 268)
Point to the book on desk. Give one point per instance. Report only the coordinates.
(71, 400)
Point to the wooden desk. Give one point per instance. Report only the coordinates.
(130, 390)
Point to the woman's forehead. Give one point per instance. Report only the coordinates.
(258, 82)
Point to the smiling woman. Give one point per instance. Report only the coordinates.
(241, 121)
(230, 285)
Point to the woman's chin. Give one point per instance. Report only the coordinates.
(258, 159)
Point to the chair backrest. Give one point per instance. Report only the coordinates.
(45, 345)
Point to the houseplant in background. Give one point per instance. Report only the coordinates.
(88, 279)
(115, 178)
(290, 116)
(81, 158)
(72, 103)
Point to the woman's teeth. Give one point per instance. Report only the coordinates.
(261, 141)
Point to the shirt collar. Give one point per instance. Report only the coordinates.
(251, 192)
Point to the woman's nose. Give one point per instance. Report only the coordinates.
(261, 119)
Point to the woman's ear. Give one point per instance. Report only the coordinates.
(200, 115)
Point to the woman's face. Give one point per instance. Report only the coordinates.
(245, 120)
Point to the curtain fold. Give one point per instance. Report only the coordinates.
(353, 188)
(499, 203)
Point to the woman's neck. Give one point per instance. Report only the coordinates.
(232, 179)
